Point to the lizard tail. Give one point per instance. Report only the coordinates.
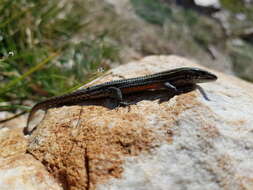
(35, 108)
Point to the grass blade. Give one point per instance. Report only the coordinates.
(29, 72)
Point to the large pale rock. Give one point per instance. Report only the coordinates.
(186, 142)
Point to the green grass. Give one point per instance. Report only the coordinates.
(42, 52)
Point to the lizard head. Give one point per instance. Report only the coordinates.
(196, 75)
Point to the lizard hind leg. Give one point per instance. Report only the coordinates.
(116, 94)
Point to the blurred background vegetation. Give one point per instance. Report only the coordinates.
(49, 47)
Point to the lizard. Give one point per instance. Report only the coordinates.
(177, 81)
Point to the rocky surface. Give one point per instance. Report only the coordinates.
(18, 170)
(186, 142)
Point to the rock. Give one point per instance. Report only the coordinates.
(20, 171)
(186, 142)
(208, 3)
(202, 6)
